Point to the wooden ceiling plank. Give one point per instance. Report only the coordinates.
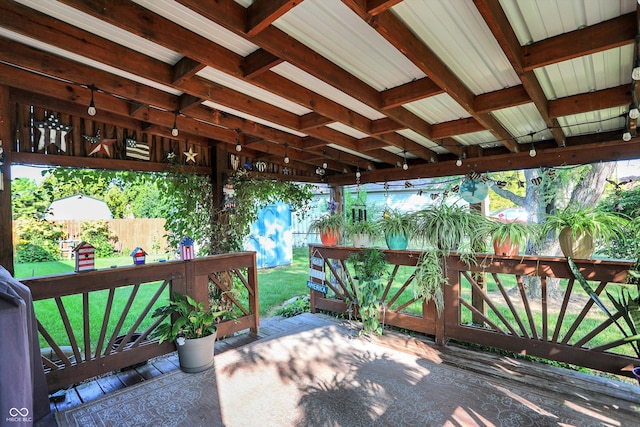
(188, 102)
(375, 7)
(409, 92)
(185, 69)
(500, 27)
(455, 127)
(385, 125)
(585, 102)
(262, 13)
(312, 121)
(502, 98)
(394, 31)
(605, 35)
(258, 62)
(142, 22)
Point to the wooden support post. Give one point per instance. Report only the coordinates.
(252, 277)
(6, 223)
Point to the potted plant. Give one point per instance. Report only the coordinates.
(192, 328)
(330, 227)
(509, 236)
(577, 229)
(397, 228)
(447, 227)
(362, 233)
(369, 266)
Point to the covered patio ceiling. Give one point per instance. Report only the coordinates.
(355, 84)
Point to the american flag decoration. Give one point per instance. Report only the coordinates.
(52, 132)
(139, 256)
(136, 149)
(85, 257)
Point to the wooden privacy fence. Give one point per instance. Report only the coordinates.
(489, 304)
(147, 233)
(99, 321)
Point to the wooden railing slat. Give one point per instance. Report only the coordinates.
(68, 329)
(514, 312)
(105, 321)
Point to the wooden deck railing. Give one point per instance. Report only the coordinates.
(490, 304)
(118, 304)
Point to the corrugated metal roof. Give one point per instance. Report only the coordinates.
(457, 34)
(347, 130)
(308, 81)
(437, 109)
(593, 121)
(585, 74)
(195, 22)
(331, 29)
(535, 20)
(522, 121)
(248, 89)
(100, 28)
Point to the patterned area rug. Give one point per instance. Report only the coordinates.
(325, 377)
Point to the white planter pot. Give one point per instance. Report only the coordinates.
(580, 247)
(361, 240)
(196, 355)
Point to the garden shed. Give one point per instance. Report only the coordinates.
(79, 207)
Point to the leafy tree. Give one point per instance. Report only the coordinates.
(625, 202)
(28, 199)
(547, 191)
(37, 240)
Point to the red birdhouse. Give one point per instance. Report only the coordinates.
(85, 257)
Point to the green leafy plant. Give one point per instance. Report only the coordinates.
(299, 306)
(363, 227)
(37, 240)
(583, 225)
(332, 223)
(370, 266)
(98, 234)
(447, 227)
(189, 319)
(429, 278)
(516, 233)
(396, 223)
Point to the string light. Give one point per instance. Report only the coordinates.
(92, 105)
(634, 113)
(286, 156)
(532, 151)
(174, 131)
(405, 166)
(324, 160)
(238, 145)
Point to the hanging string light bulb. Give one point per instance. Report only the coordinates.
(92, 105)
(174, 131)
(324, 160)
(286, 156)
(238, 145)
(405, 166)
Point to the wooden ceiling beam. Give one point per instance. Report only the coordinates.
(409, 92)
(312, 121)
(385, 125)
(188, 102)
(228, 14)
(500, 27)
(185, 69)
(262, 13)
(258, 62)
(606, 98)
(605, 35)
(455, 127)
(394, 31)
(375, 7)
(502, 98)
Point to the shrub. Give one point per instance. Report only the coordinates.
(299, 306)
(98, 234)
(38, 240)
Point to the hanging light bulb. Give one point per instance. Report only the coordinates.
(532, 151)
(634, 113)
(405, 166)
(286, 156)
(92, 106)
(459, 162)
(626, 136)
(358, 174)
(174, 131)
(635, 74)
(324, 161)
(238, 145)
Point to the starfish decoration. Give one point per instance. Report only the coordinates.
(191, 156)
(171, 157)
(53, 125)
(101, 145)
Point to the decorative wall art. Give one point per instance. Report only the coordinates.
(100, 144)
(136, 149)
(52, 132)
